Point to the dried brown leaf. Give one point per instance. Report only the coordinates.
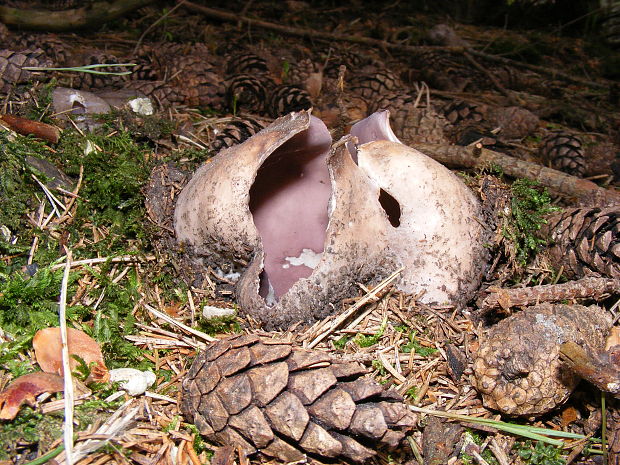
(25, 389)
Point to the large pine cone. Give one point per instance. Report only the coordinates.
(515, 122)
(285, 99)
(585, 241)
(518, 370)
(236, 131)
(286, 402)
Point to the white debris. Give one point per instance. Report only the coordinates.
(142, 106)
(135, 382)
(210, 312)
(307, 257)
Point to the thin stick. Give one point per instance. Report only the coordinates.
(66, 368)
(174, 322)
(360, 303)
(120, 259)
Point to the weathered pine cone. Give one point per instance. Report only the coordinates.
(372, 86)
(585, 241)
(164, 94)
(515, 122)
(284, 99)
(460, 111)
(236, 131)
(248, 92)
(12, 66)
(285, 402)
(246, 63)
(517, 368)
(563, 151)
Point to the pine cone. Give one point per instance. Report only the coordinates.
(299, 72)
(462, 112)
(285, 98)
(352, 60)
(88, 81)
(412, 124)
(515, 122)
(518, 370)
(12, 64)
(585, 241)
(564, 152)
(235, 132)
(246, 63)
(248, 92)
(603, 159)
(373, 86)
(286, 402)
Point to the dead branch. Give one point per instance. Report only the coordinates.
(382, 44)
(593, 367)
(556, 181)
(68, 20)
(592, 287)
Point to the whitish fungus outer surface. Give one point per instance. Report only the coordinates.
(312, 223)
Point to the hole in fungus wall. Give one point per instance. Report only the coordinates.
(391, 207)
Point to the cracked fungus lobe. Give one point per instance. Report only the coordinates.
(517, 368)
(287, 402)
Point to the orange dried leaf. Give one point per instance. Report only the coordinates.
(25, 389)
(48, 351)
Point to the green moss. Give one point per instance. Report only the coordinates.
(529, 205)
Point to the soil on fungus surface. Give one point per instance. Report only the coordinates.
(524, 110)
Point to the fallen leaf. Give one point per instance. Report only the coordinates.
(48, 351)
(25, 389)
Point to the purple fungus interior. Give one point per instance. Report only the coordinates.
(289, 205)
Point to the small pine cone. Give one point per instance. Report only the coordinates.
(585, 241)
(460, 111)
(352, 60)
(299, 72)
(518, 371)
(246, 63)
(248, 92)
(164, 94)
(444, 72)
(412, 124)
(564, 152)
(285, 99)
(515, 122)
(12, 64)
(373, 86)
(286, 402)
(201, 87)
(235, 132)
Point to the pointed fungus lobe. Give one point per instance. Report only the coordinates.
(288, 201)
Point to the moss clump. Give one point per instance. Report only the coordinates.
(528, 206)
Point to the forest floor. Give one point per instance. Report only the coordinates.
(125, 286)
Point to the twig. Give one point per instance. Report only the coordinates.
(556, 181)
(382, 44)
(66, 368)
(174, 322)
(120, 259)
(593, 367)
(44, 20)
(591, 287)
(150, 28)
(350, 311)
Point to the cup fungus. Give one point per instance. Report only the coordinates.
(311, 221)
